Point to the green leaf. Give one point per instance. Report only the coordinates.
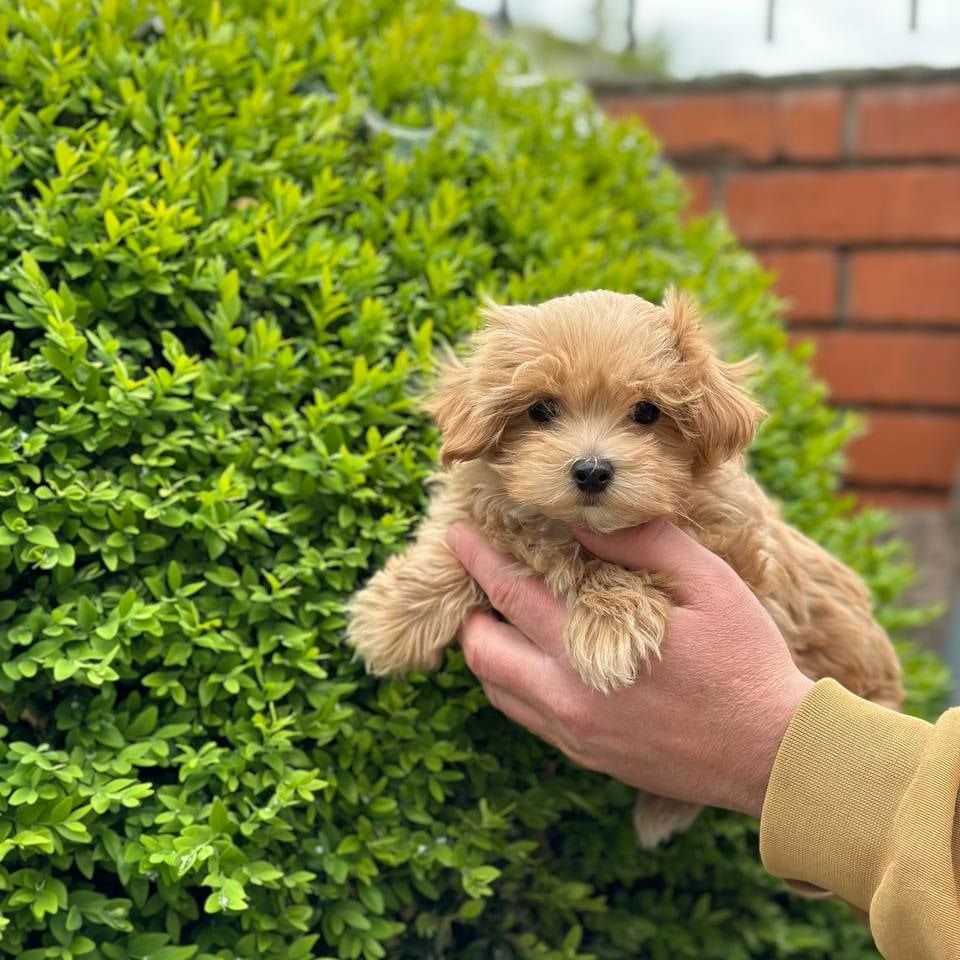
(65, 157)
(229, 896)
(262, 872)
(219, 818)
(87, 613)
(42, 536)
(126, 603)
(112, 224)
(64, 669)
(144, 724)
(108, 629)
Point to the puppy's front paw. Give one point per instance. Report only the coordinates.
(609, 648)
(411, 609)
(615, 627)
(386, 631)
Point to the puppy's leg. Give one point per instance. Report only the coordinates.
(615, 624)
(656, 819)
(412, 608)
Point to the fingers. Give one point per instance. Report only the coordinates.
(656, 546)
(519, 711)
(498, 653)
(525, 601)
(529, 686)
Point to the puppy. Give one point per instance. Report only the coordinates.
(603, 409)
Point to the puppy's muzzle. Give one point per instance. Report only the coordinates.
(591, 474)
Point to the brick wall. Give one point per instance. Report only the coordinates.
(848, 189)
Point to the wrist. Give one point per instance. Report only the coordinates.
(766, 736)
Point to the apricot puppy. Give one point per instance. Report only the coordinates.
(603, 409)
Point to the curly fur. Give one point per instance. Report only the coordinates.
(596, 355)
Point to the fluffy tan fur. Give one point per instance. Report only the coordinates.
(596, 355)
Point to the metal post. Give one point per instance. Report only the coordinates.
(771, 17)
(631, 25)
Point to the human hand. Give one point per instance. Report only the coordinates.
(703, 726)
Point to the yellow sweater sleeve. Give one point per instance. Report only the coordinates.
(862, 802)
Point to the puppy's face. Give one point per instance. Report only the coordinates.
(597, 408)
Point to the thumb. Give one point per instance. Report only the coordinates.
(658, 547)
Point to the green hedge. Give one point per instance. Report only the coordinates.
(232, 235)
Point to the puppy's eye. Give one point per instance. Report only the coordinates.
(645, 412)
(543, 411)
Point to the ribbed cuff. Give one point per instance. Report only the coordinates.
(838, 779)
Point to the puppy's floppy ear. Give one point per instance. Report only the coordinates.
(727, 417)
(472, 401)
(469, 423)
(683, 318)
(721, 419)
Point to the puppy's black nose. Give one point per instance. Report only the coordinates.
(591, 474)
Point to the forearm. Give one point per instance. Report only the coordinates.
(862, 802)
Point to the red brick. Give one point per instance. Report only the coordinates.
(906, 449)
(845, 206)
(703, 123)
(901, 499)
(805, 278)
(909, 121)
(757, 126)
(810, 124)
(919, 369)
(904, 286)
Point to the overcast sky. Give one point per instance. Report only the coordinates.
(720, 36)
